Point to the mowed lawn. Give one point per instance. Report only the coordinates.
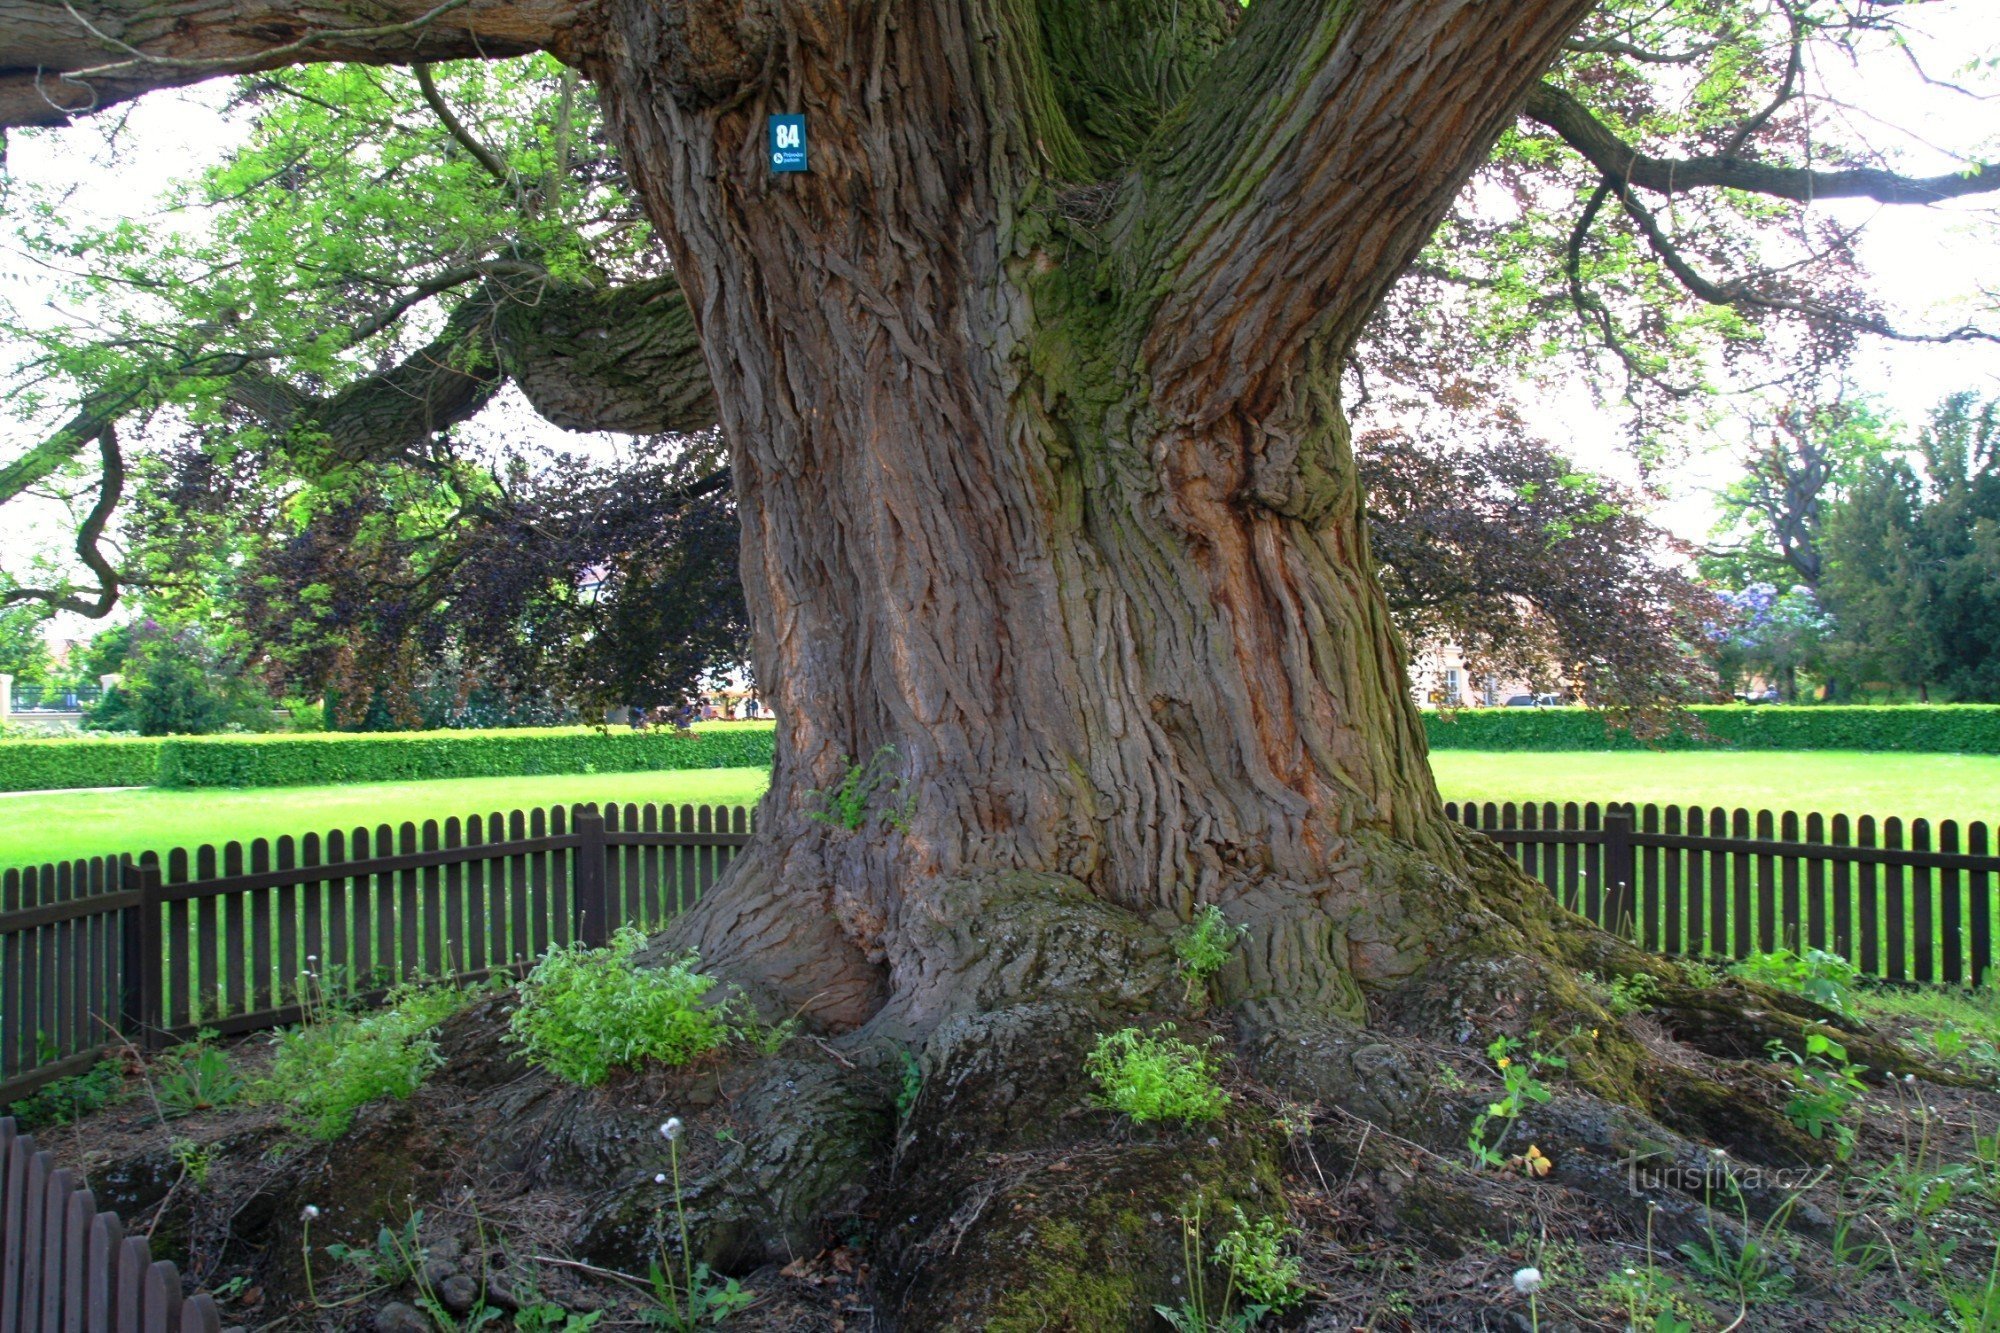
(55, 826)
(50, 826)
(1912, 786)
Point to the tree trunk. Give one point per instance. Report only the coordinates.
(1080, 558)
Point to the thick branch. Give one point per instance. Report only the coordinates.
(96, 602)
(1577, 127)
(63, 59)
(1313, 163)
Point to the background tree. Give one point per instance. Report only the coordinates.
(1032, 390)
(1913, 560)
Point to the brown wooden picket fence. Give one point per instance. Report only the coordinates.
(1902, 901)
(67, 1268)
(108, 950)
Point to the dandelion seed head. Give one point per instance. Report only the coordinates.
(1528, 1281)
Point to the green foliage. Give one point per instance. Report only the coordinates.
(1826, 1085)
(910, 1085)
(78, 761)
(849, 804)
(684, 1303)
(343, 757)
(396, 1256)
(24, 647)
(1520, 1064)
(1255, 1266)
(584, 1012)
(1924, 729)
(333, 757)
(68, 1099)
(1156, 1077)
(1822, 977)
(1748, 1265)
(197, 1076)
(1255, 1256)
(178, 683)
(338, 1061)
(194, 1159)
(1204, 944)
(1623, 995)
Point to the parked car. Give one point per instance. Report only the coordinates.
(1534, 701)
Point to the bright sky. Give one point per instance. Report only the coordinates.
(1930, 264)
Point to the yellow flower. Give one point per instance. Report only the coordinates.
(1504, 1062)
(1593, 1033)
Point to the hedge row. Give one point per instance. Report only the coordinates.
(339, 757)
(1920, 728)
(43, 765)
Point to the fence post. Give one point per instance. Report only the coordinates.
(1619, 864)
(144, 961)
(593, 902)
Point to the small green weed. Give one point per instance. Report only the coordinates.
(1826, 1085)
(1521, 1064)
(1153, 1078)
(1203, 945)
(585, 1012)
(69, 1099)
(194, 1159)
(849, 804)
(1623, 995)
(911, 1085)
(1255, 1265)
(396, 1256)
(195, 1077)
(685, 1300)
(327, 1069)
(1822, 977)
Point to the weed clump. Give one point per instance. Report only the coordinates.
(585, 1012)
(1153, 1078)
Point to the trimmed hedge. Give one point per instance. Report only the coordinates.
(1918, 728)
(334, 757)
(338, 757)
(45, 765)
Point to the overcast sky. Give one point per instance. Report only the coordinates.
(1929, 264)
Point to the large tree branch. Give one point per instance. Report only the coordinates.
(69, 57)
(96, 602)
(1573, 122)
(1310, 167)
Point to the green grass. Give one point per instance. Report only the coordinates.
(49, 826)
(58, 826)
(1928, 786)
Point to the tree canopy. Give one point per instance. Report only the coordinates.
(389, 249)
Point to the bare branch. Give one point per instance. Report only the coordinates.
(1583, 131)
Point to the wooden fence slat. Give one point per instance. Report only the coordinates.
(430, 893)
(1979, 904)
(1894, 904)
(1951, 910)
(521, 946)
(1765, 868)
(259, 901)
(1868, 920)
(55, 1231)
(290, 917)
(107, 1238)
(1843, 891)
(1791, 918)
(28, 1302)
(135, 1257)
(387, 957)
(235, 961)
(1816, 937)
(455, 959)
(78, 1210)
(161, 1312)
(1673, 938)
(1922, 941)
(409, 909)
(13, 1217)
